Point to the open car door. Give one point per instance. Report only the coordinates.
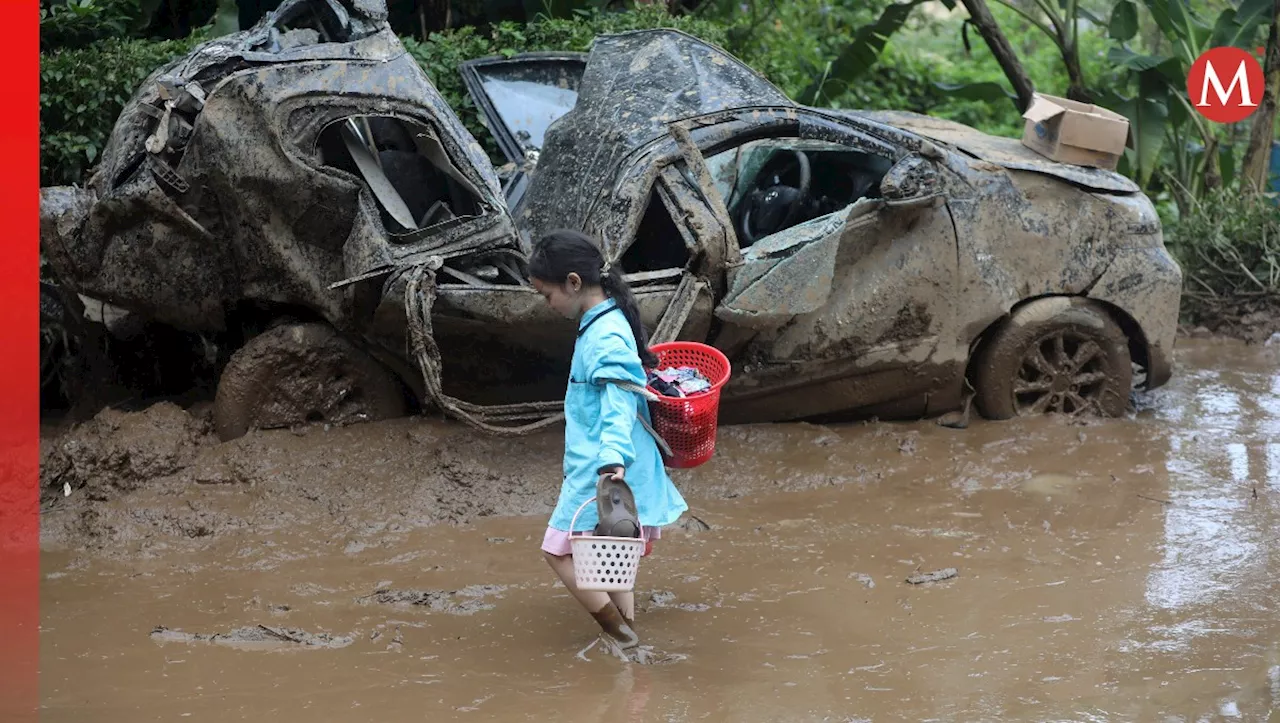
(519, 98)
(840, 305)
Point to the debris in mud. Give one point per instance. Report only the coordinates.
(397, 640)
(117, 452)
(309, 589)
(179, 480)
(667, 599)
(908, 446)
(692, 524)
(1255, 321)
(396, 644)
(220, 472)
(863, 578)
(256, 603)
(467, 601)
(827, 439)
(935, 576)
(958, 419)
(256, 636)
(640, 655)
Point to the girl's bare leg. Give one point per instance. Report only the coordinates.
(626, 602)
(599, 604)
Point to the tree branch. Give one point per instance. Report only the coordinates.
(1257, 155)
(1044, 28)
(986, 24)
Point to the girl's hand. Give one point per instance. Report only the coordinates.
(617, 473)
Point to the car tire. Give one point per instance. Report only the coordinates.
(1054, 355)
(295, 374)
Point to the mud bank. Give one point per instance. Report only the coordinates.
(124, 481)
(1120, 570)
(1251, 321)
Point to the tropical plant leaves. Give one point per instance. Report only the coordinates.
(1126, 58)
(1124, 21)
(1090, 16)
(1147, 120)
(1238, 27)
(1227, 164)
(863, 50)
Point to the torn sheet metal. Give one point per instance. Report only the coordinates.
(784, 275)
(242, 202)
(634, 85)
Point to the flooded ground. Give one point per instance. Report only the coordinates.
(1124, 570)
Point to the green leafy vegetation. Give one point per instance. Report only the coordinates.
(82, 90)
(1229, 247)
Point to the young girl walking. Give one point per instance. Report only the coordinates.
(608, 454)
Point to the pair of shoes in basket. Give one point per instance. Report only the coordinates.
(616, 508)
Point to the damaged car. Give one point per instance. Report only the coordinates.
(301, 192)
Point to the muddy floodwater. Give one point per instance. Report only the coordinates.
(1119, 570)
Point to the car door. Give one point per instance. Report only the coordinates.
(845, 310)
(518, 99)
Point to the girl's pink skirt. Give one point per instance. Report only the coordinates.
(556, 542)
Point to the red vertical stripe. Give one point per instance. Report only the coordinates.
(19, 364)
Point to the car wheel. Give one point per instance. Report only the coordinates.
(1055, 355)
(303, 373)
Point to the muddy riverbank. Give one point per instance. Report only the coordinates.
(1120, 570)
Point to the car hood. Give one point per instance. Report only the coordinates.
(1004, 152)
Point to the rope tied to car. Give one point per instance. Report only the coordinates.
(419, 298)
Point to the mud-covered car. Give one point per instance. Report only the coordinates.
(302, 191)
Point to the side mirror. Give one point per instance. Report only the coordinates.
(911, 182)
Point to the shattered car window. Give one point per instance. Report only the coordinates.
(529, 96)
(659, 244)
(772, 185)
(406, 167)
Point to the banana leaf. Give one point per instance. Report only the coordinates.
(863, 50)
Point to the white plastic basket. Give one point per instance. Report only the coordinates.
(607, 564)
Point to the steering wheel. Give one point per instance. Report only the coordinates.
(769, 209)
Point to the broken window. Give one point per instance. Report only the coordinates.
(521, 97)
(771, 185)
(659, 244)
(518, 99)
(406, 168)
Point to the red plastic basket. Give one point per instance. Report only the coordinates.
(688, 424)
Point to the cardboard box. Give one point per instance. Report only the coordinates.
(1078, 133)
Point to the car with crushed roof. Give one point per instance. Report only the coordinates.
(301, 193)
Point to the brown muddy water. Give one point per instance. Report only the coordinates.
(1121, 570)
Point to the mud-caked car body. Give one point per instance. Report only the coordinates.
(850, 264)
